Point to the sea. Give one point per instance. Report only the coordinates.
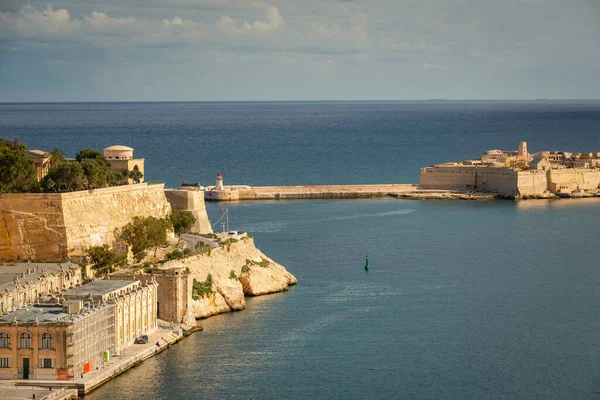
(464, 300)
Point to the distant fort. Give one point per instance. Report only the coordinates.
(496, 173)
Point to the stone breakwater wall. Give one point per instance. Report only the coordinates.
(234, 193)
(253, 274)
(509, 182)
(56, 226)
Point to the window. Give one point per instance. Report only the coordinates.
(4, 340)
(4, 362)
(47, 340)
(25, 340)
(46, 363)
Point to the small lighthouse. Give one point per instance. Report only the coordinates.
(219, 185)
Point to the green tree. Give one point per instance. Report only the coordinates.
(57, 157)
(65, 177)
(157, 231)
(103, 259)
(92, 154)
(136, 175)
(96, 172)
(17, 172)
(182, 221)
(142, 234)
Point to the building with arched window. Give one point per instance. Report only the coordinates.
(95, 320)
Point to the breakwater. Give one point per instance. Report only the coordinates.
(405, 191)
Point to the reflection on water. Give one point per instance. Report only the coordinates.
(554, 203)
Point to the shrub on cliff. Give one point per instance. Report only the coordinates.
(17, 173)
(65, 177)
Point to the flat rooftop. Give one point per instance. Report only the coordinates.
(97, 288)
(8, 271)
(44, 314)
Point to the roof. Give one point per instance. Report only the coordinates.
(97, 288)
(43, 314)
(119, 148)
(38, 153)
(9, 271)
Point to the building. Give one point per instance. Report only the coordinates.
(41, 162)
(174, 290)
(135, 306)
(23, 284)
(121, 158)
(91, 323)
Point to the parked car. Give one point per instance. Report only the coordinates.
(233, 233)
(142, 339)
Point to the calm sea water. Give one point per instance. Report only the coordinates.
(465, 300)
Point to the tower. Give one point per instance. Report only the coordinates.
(523, 149)
(219, 185)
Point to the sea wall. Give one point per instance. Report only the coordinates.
(532, 183)
(234, 193)
(573, 178)
(236, 269)
(47, 227)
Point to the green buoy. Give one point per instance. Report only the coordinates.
(367, 264)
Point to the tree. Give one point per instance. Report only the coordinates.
(96, 172)
(65, 177)
(57, 157)
(142, 234)
(136, 175)
(103, 259)
(17, 172)
(92, 154)
(182, 221)
(157, 231)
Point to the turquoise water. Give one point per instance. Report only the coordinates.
(464, 300)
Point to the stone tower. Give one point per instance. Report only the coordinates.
(523, 149)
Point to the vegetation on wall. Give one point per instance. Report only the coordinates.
(17, 172)
(199, 289)
(89, 170)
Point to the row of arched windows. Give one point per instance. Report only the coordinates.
(25, 340)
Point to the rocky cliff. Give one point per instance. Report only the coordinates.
(235, 270)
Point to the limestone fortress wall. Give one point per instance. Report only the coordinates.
(56, 226)
(508, 182)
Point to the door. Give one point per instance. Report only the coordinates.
(26, 368)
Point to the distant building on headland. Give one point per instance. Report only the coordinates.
(518, 173)
(120, 158)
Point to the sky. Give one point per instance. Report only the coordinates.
(230, 50)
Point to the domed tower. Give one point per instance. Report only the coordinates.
(121, 158)
(219, 185)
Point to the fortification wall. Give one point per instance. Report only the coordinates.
(532, 183)
(484, 179)
(447, 178)
(48, 227)
(192, 201)
(573, 178)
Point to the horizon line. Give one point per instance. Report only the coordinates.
(298, 101)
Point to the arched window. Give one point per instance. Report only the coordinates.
(47, 340)
(25, 340)
(4, 340)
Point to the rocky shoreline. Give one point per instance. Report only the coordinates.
(232, 271)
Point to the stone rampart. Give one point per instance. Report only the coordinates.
(532, 183)
(48, 227)
(192, 201)
(573, 178)
(470, 178)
